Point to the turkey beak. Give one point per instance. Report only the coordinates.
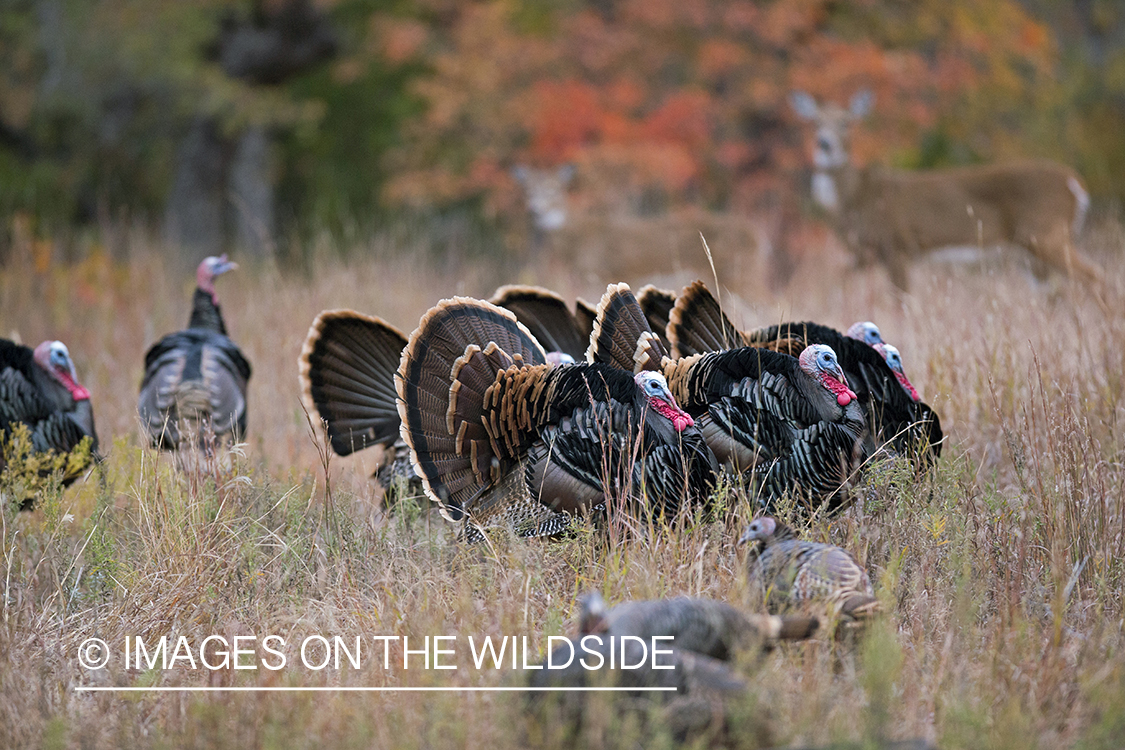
(668, 398)
(225, 265)
(745, 536)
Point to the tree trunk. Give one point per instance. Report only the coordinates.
(251, 192)
(193, 218)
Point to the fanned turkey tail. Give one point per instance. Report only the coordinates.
(698, 324)
(657, 305)
(547, 317)
(446, 377)
(347, 371)
(622, 336)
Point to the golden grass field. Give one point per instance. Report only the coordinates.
(1002, 573)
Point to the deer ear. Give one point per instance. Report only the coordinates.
(861, 103)
(804, 105)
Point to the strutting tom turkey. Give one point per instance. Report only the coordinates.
(897, 420)
(501, 437)
(347, 373)
(194, 387)
(786, 424)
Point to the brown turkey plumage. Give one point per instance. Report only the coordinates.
(706, 626)
(705, 636)
(788, 570)
(500, 437)
(548, 318)
(657, 305)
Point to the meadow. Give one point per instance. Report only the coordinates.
(1001, 572)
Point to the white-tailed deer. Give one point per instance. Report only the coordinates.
(893, 216)
(544, 192)
(598, 236)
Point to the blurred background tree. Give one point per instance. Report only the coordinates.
(257, 124)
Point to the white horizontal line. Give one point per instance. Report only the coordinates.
(354, 689)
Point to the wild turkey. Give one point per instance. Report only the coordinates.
(865, 331)
(657, 305)
(194, 387)
(706, 634)
(347, 372)
(500, 437)
(705, 626)
(893, 359)
(894, 416)
(547, 317)
(39, 389)
(788, 424)
(788, 570)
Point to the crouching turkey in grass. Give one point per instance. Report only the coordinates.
(789, 571)
(788, 425)
(698, 640)
(502, 438)
(347, 372)
(896, 417)
(39, 391)
(194, 387)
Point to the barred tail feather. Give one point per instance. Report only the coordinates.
(347, 371)
(546, 315)
(657, 305)
(622, 336)
(447, 371)
(697, 324)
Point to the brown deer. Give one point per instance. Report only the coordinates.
(893, 216)
(598, 234)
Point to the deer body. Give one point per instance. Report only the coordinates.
(893, 216)
(605, 239)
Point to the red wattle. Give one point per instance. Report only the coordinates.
(902, 379)
(680, 419)
(77, 392)
(844, 395)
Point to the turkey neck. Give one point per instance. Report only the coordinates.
(824, 400)
(205, 313)
(51, 390)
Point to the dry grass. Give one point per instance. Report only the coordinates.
(1002, 573)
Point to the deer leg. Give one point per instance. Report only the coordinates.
(897, 268)
(1056, 250)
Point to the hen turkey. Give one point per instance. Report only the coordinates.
(788, 570)
(194, 387)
